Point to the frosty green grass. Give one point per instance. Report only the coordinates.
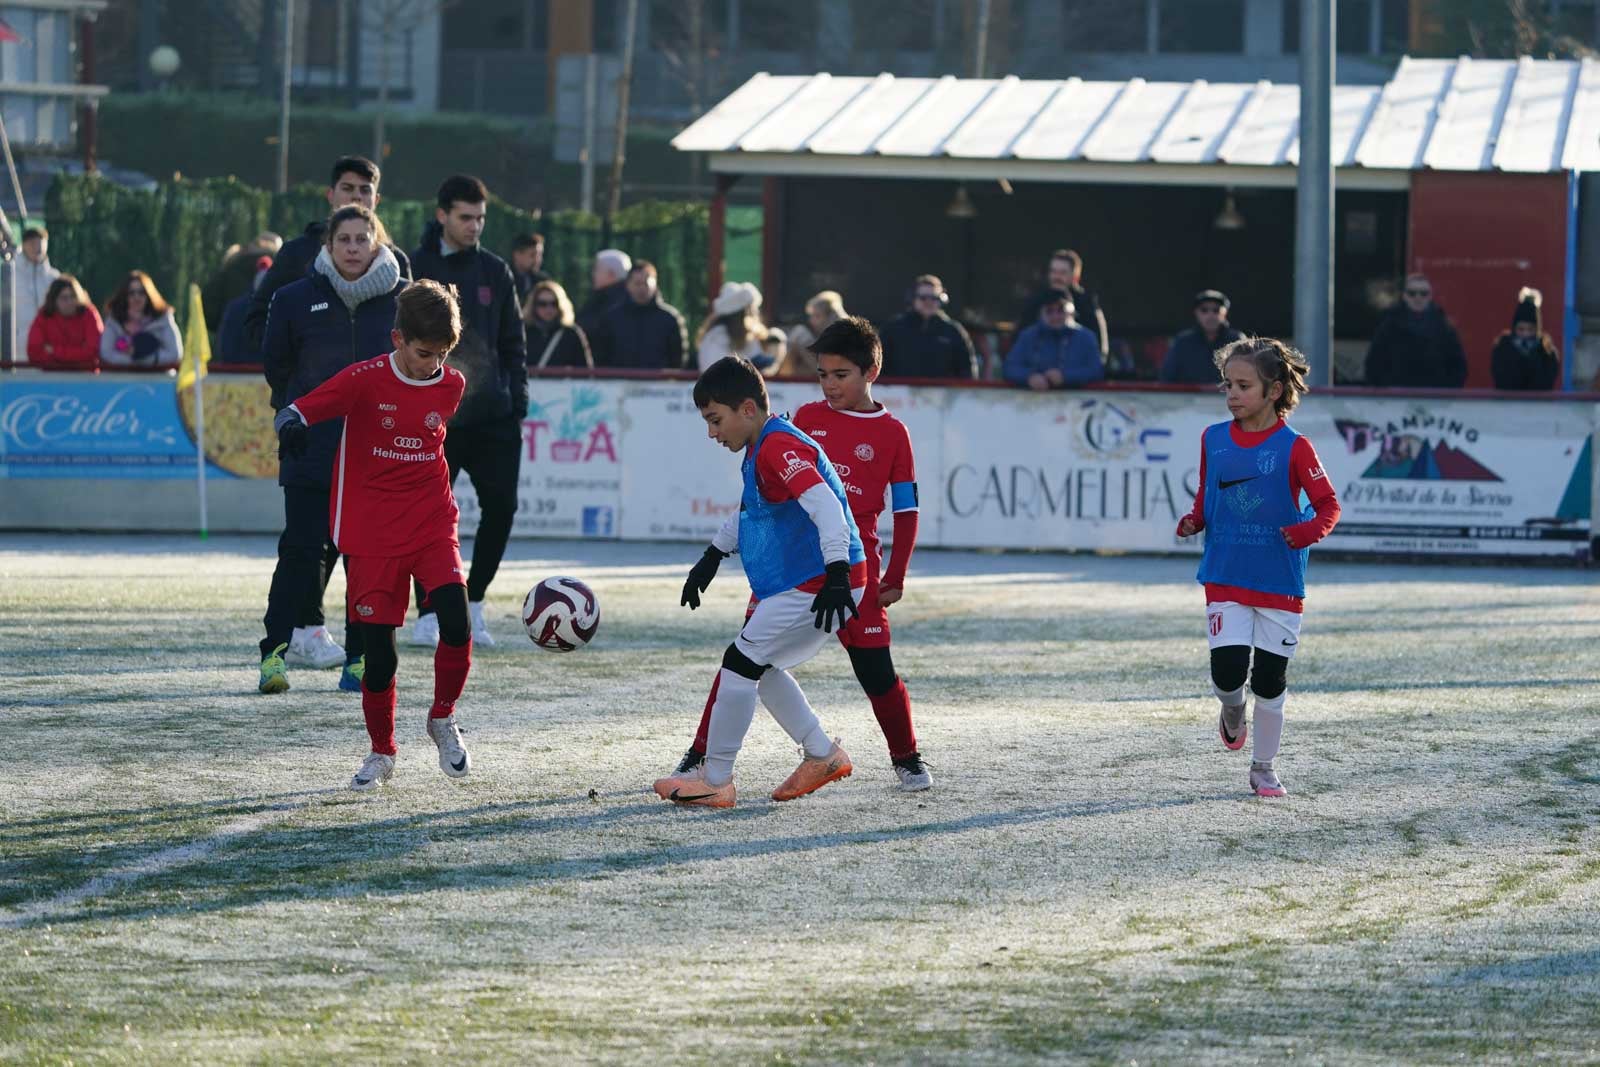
(183, 878)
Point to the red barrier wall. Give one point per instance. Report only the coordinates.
(1479, 237)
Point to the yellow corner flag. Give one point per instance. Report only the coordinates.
(196, 342)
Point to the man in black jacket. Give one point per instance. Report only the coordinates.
(1189, 360)
(354, 181)
(646, 333)
(609, 277)
(1415, 345)
(925, 342)
(485, 437)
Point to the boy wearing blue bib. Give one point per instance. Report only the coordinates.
(803, 555)
(1263, 501)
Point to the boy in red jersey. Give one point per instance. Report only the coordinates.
(394, 516)
(871, 451)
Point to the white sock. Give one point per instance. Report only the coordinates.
(1269, 727)
(783, 697)
(730, 721)
(1232, 699)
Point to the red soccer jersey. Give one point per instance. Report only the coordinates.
(871, 450)
(391, 484)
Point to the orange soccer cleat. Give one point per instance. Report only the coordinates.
(692, 790)
(813, 774)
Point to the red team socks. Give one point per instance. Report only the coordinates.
(893, 710)
(705, 717)
(450, 666)
(379, 711)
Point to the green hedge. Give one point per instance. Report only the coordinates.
(179, 231)
(218, 136)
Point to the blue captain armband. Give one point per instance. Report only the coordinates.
(903, 496)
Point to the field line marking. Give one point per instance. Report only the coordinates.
(153, 864)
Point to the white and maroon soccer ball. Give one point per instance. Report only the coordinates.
(561, 614)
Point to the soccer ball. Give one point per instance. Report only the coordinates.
(561, 614)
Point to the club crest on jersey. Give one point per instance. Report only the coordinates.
(388, 422)
(864, 452)
(1267, 462)
(432, 420)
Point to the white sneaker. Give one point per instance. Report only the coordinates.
(296, 654)
(317, 649)
(453, 757)
(425, 633)
(480, 630)
(913, 773)
(375, 770)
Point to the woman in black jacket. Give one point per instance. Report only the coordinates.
(554, 338)
(1524, 357)
(341, 313)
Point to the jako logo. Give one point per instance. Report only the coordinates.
(320, 307)
(408, 442)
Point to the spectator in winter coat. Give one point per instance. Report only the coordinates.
(734, 327)
(339, 314)
(1054, 352)
(232, 346)
(485, 437)
(527, 264)
(66, 333)
(646, 332)
(1065, 274)
(354, 181)
(554, 338)
(924, 342)
(822, 311)
(1524, 357)
(1189, 360)
(609, 276)
(141, 330)
(1415, 345)
(34, 275)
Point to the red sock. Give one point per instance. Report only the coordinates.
(379, 711)
(893, 710)
(699, 744)
(450, 666)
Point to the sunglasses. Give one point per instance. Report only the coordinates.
(1419, 292)
(927, 296)
(545, 304)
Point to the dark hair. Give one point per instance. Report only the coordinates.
(1274, 361)
(854, 339)
(527, 240)
(462, 187)
(35, 231)
(360, 166)
(117, 306)
(355, 211)
(63, 281)
(428, 311)
(730, 381)
(643, 264)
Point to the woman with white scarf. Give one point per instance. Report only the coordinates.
(341, 313)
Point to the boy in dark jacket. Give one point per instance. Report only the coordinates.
(485, 436)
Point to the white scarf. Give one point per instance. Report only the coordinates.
(381, 277)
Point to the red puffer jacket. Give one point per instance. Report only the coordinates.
(59, 343)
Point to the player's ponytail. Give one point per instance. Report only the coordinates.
(1274, 361)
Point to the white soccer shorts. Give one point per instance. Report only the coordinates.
(1273, 629)
(782, 632)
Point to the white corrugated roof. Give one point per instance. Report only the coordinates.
(1526, 115)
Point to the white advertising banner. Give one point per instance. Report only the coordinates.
(570, 484)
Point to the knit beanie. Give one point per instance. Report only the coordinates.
(1528, 301)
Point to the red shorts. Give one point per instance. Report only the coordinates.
(378, 588)
(868, 630)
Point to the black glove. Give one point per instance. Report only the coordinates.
(292, 437)
(834, 599)
(700, 576)
(146, 345)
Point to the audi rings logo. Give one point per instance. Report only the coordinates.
(841, 470)
(408, 442)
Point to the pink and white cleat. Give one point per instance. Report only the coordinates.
(1231, 727)
(1264, 781)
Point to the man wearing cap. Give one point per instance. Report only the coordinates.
(1189, 360)
(1055, 352)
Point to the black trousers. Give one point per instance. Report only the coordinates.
(305, 559)
(492, 457)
